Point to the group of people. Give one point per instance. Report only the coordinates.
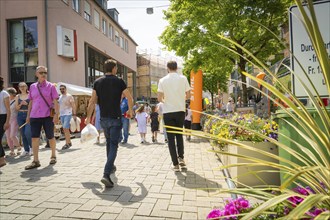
(40, 108)
(30, 111)
(115, 103)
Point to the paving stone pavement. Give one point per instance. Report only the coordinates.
(145, 186)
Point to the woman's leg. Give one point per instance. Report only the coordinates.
(2, 131)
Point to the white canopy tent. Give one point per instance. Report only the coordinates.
(74, 89)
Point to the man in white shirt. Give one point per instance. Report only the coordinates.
(173, 90)
(67, 110)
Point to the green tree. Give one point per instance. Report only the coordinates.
(194, 26)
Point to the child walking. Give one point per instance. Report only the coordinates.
(141, 118)
(154, 116)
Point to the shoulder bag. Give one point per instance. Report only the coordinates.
(52, 110)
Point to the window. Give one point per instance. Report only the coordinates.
(105, 5)
(104, 26)
(87, 11)
(97, 19)
(95, 68)
(126, 45)
(23, 50)
(110, 30)
(76, 5)
(121, 42)
(116, 37)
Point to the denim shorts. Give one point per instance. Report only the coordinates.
(36, 125)
(65, 120)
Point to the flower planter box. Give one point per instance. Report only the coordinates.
(241, 173)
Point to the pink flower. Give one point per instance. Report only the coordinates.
(215, 213)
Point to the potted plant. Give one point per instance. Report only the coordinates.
(245, 129)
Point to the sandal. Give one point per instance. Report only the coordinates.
(52, 160)
(33, 165)
(19, 150)
(66, 146)
(12, 154)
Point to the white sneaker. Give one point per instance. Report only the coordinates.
(182, 162)
(31, 153)
(176, 168)
(24, 153)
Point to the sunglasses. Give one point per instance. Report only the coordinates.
(62, 89)
(43, 73)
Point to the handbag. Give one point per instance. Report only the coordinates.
(52, 110)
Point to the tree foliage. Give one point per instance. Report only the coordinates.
(194, 26)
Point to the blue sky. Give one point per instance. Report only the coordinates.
(143, 28)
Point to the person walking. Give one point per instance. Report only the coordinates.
(135, 107)
(239, 102)
(124, 120)
(187, 120)
(230, 106)
(4, 119)
(173, 91)
(21, 103)
(161, 119)
(12, 131)
(107, 91)
(154, 117)
(142, 118)
(43, 97)
(147, 108)
(67, 111)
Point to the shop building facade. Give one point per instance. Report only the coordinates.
(72, 38)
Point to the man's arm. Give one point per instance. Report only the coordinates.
(74, 109)
(29, 111)
(57, 111)
(128, 95)
(160, 96)
(91, 107)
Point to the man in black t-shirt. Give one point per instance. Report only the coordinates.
(107, 93)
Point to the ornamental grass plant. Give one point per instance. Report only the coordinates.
(304, 192)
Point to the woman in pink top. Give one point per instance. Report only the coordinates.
(12, 131)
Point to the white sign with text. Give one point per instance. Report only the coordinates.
(303, 50)
(65, 42)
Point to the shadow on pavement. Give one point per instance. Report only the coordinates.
(35, 175)
(67, 150)
(128, 145)
(17, 159)
(106, 193)
(198, 140)
(191, 180)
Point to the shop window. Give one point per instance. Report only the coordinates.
(23, 50)
(87, 11)
(95, 68)
(97, 19)
(104, 26)
(76, 5)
